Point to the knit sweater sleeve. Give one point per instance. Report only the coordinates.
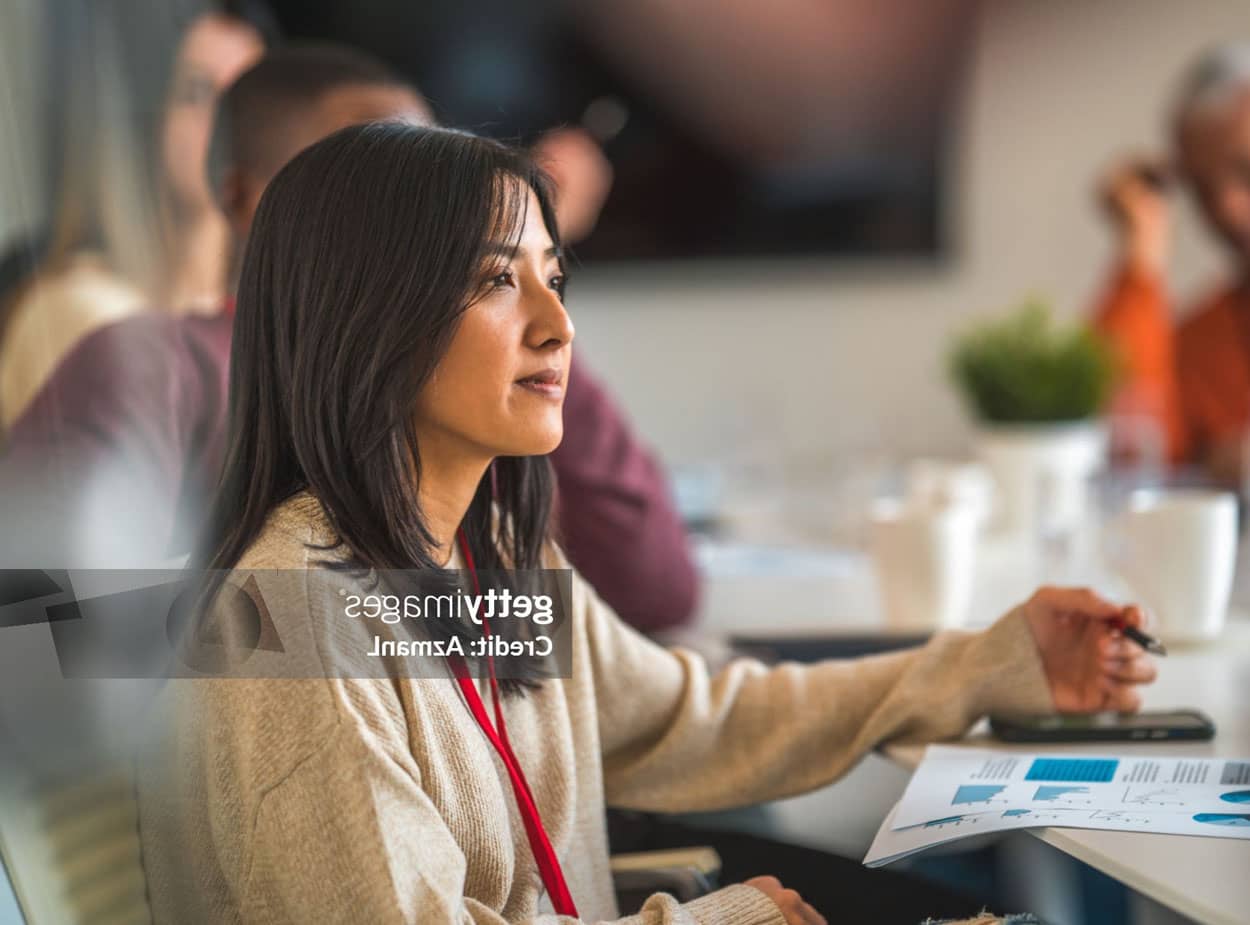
(676, 737)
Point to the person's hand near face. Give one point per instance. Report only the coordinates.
(583, 178)
(1213, 156)
(1134, 193)
(1212, 162)
(1089, 663)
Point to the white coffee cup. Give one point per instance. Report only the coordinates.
(1177, 551)
(925, 560)
(942, 483)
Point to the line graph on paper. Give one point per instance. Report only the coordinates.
(1121, 817)
(1154, 796)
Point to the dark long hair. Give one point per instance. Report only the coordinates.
(365, 250)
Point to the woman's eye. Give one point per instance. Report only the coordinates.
(557, 284)
(501, 280)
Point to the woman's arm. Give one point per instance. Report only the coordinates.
(1133, 315)
(676, 737)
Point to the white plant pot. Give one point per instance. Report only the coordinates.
(1042, 473)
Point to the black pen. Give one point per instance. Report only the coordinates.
(1147, 642)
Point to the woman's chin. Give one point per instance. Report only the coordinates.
(549, 445)
(536, 443)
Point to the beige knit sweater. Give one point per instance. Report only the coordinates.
(381, 801)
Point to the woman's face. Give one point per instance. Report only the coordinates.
(499, 389)
(214, 51)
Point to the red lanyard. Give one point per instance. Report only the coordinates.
(540, 845)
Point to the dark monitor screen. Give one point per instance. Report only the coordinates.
(799, 127)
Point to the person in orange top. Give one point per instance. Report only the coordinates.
(1190, 377)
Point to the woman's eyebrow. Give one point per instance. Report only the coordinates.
(502, 249)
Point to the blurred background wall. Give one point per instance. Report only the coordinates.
(822, 361)
(820, 358)
(22, 103)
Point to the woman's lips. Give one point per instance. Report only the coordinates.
(546, 384)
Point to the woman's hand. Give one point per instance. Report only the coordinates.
(791, 904)
(1090, 665)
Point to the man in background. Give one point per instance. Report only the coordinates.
(1190, 378)
(115, 460)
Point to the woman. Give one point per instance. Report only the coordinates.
(399, 361)
(132, 221)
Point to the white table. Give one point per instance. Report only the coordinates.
(1207, 879)
(830, 591)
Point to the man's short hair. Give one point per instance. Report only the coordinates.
(1219, 76)
(254, 112)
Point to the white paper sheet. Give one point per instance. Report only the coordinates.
(961, 792)
(952, 781)
(894, 844)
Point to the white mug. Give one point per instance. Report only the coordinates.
(924, 560)
(1177, 551)
(941, 483)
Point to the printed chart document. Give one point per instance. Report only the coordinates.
(960, 792)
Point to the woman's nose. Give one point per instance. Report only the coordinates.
(550, 324)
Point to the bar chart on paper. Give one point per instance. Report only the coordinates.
(977, 793)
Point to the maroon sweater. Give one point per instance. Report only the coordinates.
(133, 423)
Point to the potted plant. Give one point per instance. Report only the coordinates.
(1036, 387)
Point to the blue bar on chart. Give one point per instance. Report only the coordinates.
(1045, 793)
(1084, 770)
(976, 793)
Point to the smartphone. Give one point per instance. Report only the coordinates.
(1104, 727)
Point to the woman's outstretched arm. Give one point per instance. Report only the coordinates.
(676, 737)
